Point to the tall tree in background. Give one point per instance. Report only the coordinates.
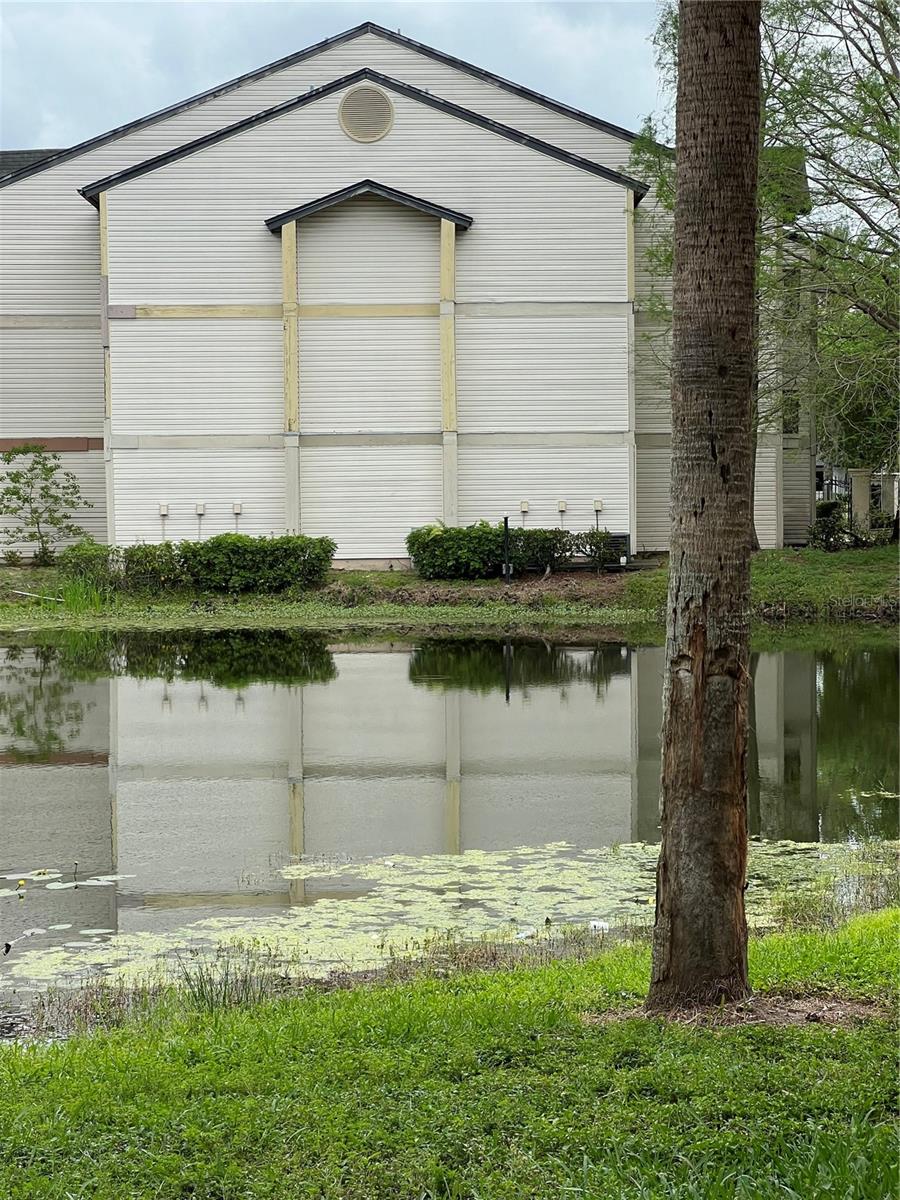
(828, 300)
(700, 932)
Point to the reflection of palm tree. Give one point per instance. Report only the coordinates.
(38, 714)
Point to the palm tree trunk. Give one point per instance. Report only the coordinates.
(700, 932)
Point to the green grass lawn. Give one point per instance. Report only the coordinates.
(804, 584)
(475, 1086)
(806, 579)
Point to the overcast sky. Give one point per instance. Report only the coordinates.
(72, 70)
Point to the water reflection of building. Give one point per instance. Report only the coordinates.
(781, 767)
(206, 789)
(55, 792)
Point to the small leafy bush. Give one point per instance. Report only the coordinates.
(832, 531)
(597, 547)
(476, 551)
(234, 562)
(829, 531)
(151, 568)
(93, 564)
(448, 552)
(12, 558)
(541, 549)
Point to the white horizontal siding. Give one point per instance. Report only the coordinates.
(494, 480)
(48, 233)
(543, 230)
(49, 240)
(51, 383)
(528, 374)
(765, 499)
(362, 375)
(369, 250)
(368, 498)
(196, 377)
(652, 379)
(653, 499)
(144, 479)
(87, 467)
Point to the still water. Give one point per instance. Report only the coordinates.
(163, 791)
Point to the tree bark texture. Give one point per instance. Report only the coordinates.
(700, 932)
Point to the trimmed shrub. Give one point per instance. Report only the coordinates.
(540, 549)
(596, 546)
(449, 552)
(154, 567)
(231, 562)
(476, 551)
(234, 562)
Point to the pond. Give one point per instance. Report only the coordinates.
(164, 791)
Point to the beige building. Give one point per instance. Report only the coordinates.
(358, 290)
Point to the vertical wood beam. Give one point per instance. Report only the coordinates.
(450, 468)
(448, 260)
(448, 325)
(104, 303)
(629, 244)
(108, 476)
(104, 236)
(289, 302)
(291, 353)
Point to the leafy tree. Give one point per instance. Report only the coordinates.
(700, 931)
(829, 202)
(40, 498)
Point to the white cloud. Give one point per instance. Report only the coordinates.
(73, 70)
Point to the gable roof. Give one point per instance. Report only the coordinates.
(13, 161)
(367, 187)
(58, 156)
(92, 191)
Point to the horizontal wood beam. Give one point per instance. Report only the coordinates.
(322, 312)
(205, 312)
(49, 321)
(57, 445)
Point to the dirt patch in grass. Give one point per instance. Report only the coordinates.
(531, 591)
(763, 1009)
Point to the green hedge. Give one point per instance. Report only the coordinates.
(476, 551)
(231, 562)
(234, 562)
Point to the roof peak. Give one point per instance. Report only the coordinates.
(91, 191)
(368, 187)
(280, 64)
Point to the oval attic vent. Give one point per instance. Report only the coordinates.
(366, 114)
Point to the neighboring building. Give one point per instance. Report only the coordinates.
(361, 289)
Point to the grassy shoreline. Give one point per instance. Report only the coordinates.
(855, 588)
(480, 1085)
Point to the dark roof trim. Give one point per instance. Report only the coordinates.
(298, 56)
(363, 188)
(12, 161)
(507, 85)
(92, 191)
